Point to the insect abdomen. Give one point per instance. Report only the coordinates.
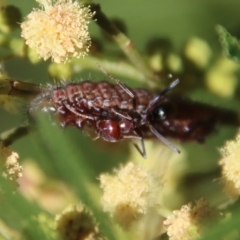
(88, 96)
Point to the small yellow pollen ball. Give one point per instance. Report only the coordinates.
(76, 223)
(59, 30)
(130, 193)
(189, 222)
(198, 51)
(230, 165)
(12, 168)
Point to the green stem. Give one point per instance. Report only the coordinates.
(10, 136)
(122, 69)
(124, 43)
(18, 88)
(7, 57)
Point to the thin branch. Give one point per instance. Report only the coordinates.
(124, 43)
(19, 88)
(10, 136)
(121, 69)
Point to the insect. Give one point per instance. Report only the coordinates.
(116, 112)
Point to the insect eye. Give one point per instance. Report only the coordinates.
(163, 111)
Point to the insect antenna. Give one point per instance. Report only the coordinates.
(158, 97)
(126, 89)
(150, 107)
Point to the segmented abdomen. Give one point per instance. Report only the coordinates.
(93, 97)
(78, 103)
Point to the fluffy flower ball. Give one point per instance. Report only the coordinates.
(76, 223)
(189, 222)
(59, 30)
(231, 167)
(12, 168)
(130, 193)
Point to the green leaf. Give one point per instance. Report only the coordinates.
(230, 44)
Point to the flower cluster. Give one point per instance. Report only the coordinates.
(12, 168)
(198, 51)
(231, 167)
(130, 193)
(59, 30)
(75, 222)
(221, 78)
(189, 222)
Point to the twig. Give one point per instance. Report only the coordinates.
(10, 136)
(121, 69)
(123, 41)
(20, 89)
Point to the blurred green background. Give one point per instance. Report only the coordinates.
(176, 20)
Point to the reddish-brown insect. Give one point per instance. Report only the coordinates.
(116, 112)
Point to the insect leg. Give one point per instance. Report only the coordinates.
(141, 150)
(158, 97)
(121, 114)
(163, 139)
(125, 88)
(71, 109)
